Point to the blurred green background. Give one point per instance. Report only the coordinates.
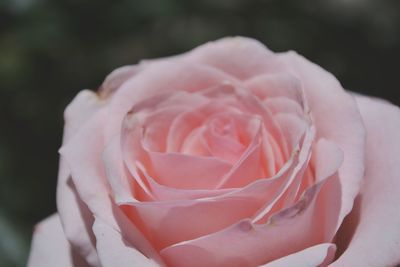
(49, 50)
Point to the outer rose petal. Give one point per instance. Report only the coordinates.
(318, 255)
(116, 78)
(74, 215)
(239, 56)
(83, 154)
(377, 221)
(336, 118)
(50, 247)
(116, 251)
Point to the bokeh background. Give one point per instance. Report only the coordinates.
(49, 50)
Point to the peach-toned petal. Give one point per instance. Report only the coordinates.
(114, 250)
(316, 256)
(50, 247)
(376, 219)
(336, 118)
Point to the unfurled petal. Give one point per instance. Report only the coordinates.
(74, 214)
(373, 227)
(50, 247)
(336, 118)
(241, 57)
(316, 256)
(116, 251)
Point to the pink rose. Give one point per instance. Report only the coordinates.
(228, 155)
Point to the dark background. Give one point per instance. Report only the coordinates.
(49, 50)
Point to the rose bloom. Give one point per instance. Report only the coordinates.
(228, 155)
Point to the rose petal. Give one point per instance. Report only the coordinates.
(170, 222)
(239, 56)
(248, 244)
(83, 154)
(284, 105)
(50, 247)
(121, 183)
(124, 189)
(301, 156)
(114, 250)
(165, 193)
(376, 219)
(74, 214)
(304, 224)
(277, 85)
(293, 128)
(170, 169)
(318, 255)
(191, 78)
(116, 78)
(336, 116)
(248, 168)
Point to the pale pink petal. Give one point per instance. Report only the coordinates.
(272, 153)
(194, 143)
(247, 169)
(300, 157)
(116, 78)
(83, 153)
(336, 117)
(316, 256)
(376, 220)
(161, 78)
(254, 106)
(122, 180)
(170, 222)
(248, 244)
(276, 84)
(292, 127)
(170, 169)
(307, 223)
(165, 193)
(123, 187)
(281, 104)
(224, 135)
(191, 120)
(114, 250)
(156, 127)
(75, 216)
(187, 171)
(50, 247)
(239, 56)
